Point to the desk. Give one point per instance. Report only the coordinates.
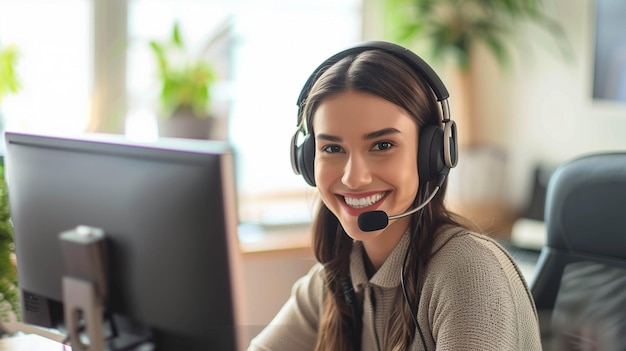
(272, 261)
(31, 342)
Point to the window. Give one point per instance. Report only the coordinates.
(272, 48)
(54, 64)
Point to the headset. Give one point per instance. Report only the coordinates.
(438, 146)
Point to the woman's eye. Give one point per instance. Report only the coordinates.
(383, 145)
(331, 149)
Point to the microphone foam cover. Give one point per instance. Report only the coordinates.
(373, 220)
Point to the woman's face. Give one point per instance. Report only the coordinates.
(365, 160)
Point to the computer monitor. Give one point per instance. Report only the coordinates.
(168, 211)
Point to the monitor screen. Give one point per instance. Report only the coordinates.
(168, 213)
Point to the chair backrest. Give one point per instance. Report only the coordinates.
(580, 284)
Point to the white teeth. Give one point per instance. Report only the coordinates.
(364, 201)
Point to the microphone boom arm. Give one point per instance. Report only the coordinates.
(377, 220)
(432, 195)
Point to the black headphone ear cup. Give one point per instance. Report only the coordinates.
(306, 159)
(430, 160)
(295, 154)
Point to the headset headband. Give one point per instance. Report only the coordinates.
(416, 62)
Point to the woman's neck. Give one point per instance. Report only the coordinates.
(380, 247)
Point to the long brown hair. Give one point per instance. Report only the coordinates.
(384, 75)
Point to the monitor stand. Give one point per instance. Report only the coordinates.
(85, 291)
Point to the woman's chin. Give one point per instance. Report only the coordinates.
(351, 228)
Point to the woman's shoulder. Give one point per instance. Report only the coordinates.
(455, 240)
(311, 283)
(473, 285)
(471, 257)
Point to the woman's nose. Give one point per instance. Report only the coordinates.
(356, 172)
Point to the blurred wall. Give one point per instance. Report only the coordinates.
(542, 111)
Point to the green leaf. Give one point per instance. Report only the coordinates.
(9, 82)
(453, 27)
(176, 37)
(498, 48)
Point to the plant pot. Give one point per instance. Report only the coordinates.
(186, 126)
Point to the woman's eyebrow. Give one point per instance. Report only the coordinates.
(327, 137)
(368, 136)
(379, 133)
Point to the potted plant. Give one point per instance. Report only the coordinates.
(451, 30)
(185, 88)
(9, 296)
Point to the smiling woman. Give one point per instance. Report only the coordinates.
(375, 141)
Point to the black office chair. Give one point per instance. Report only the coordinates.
(580, 283)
